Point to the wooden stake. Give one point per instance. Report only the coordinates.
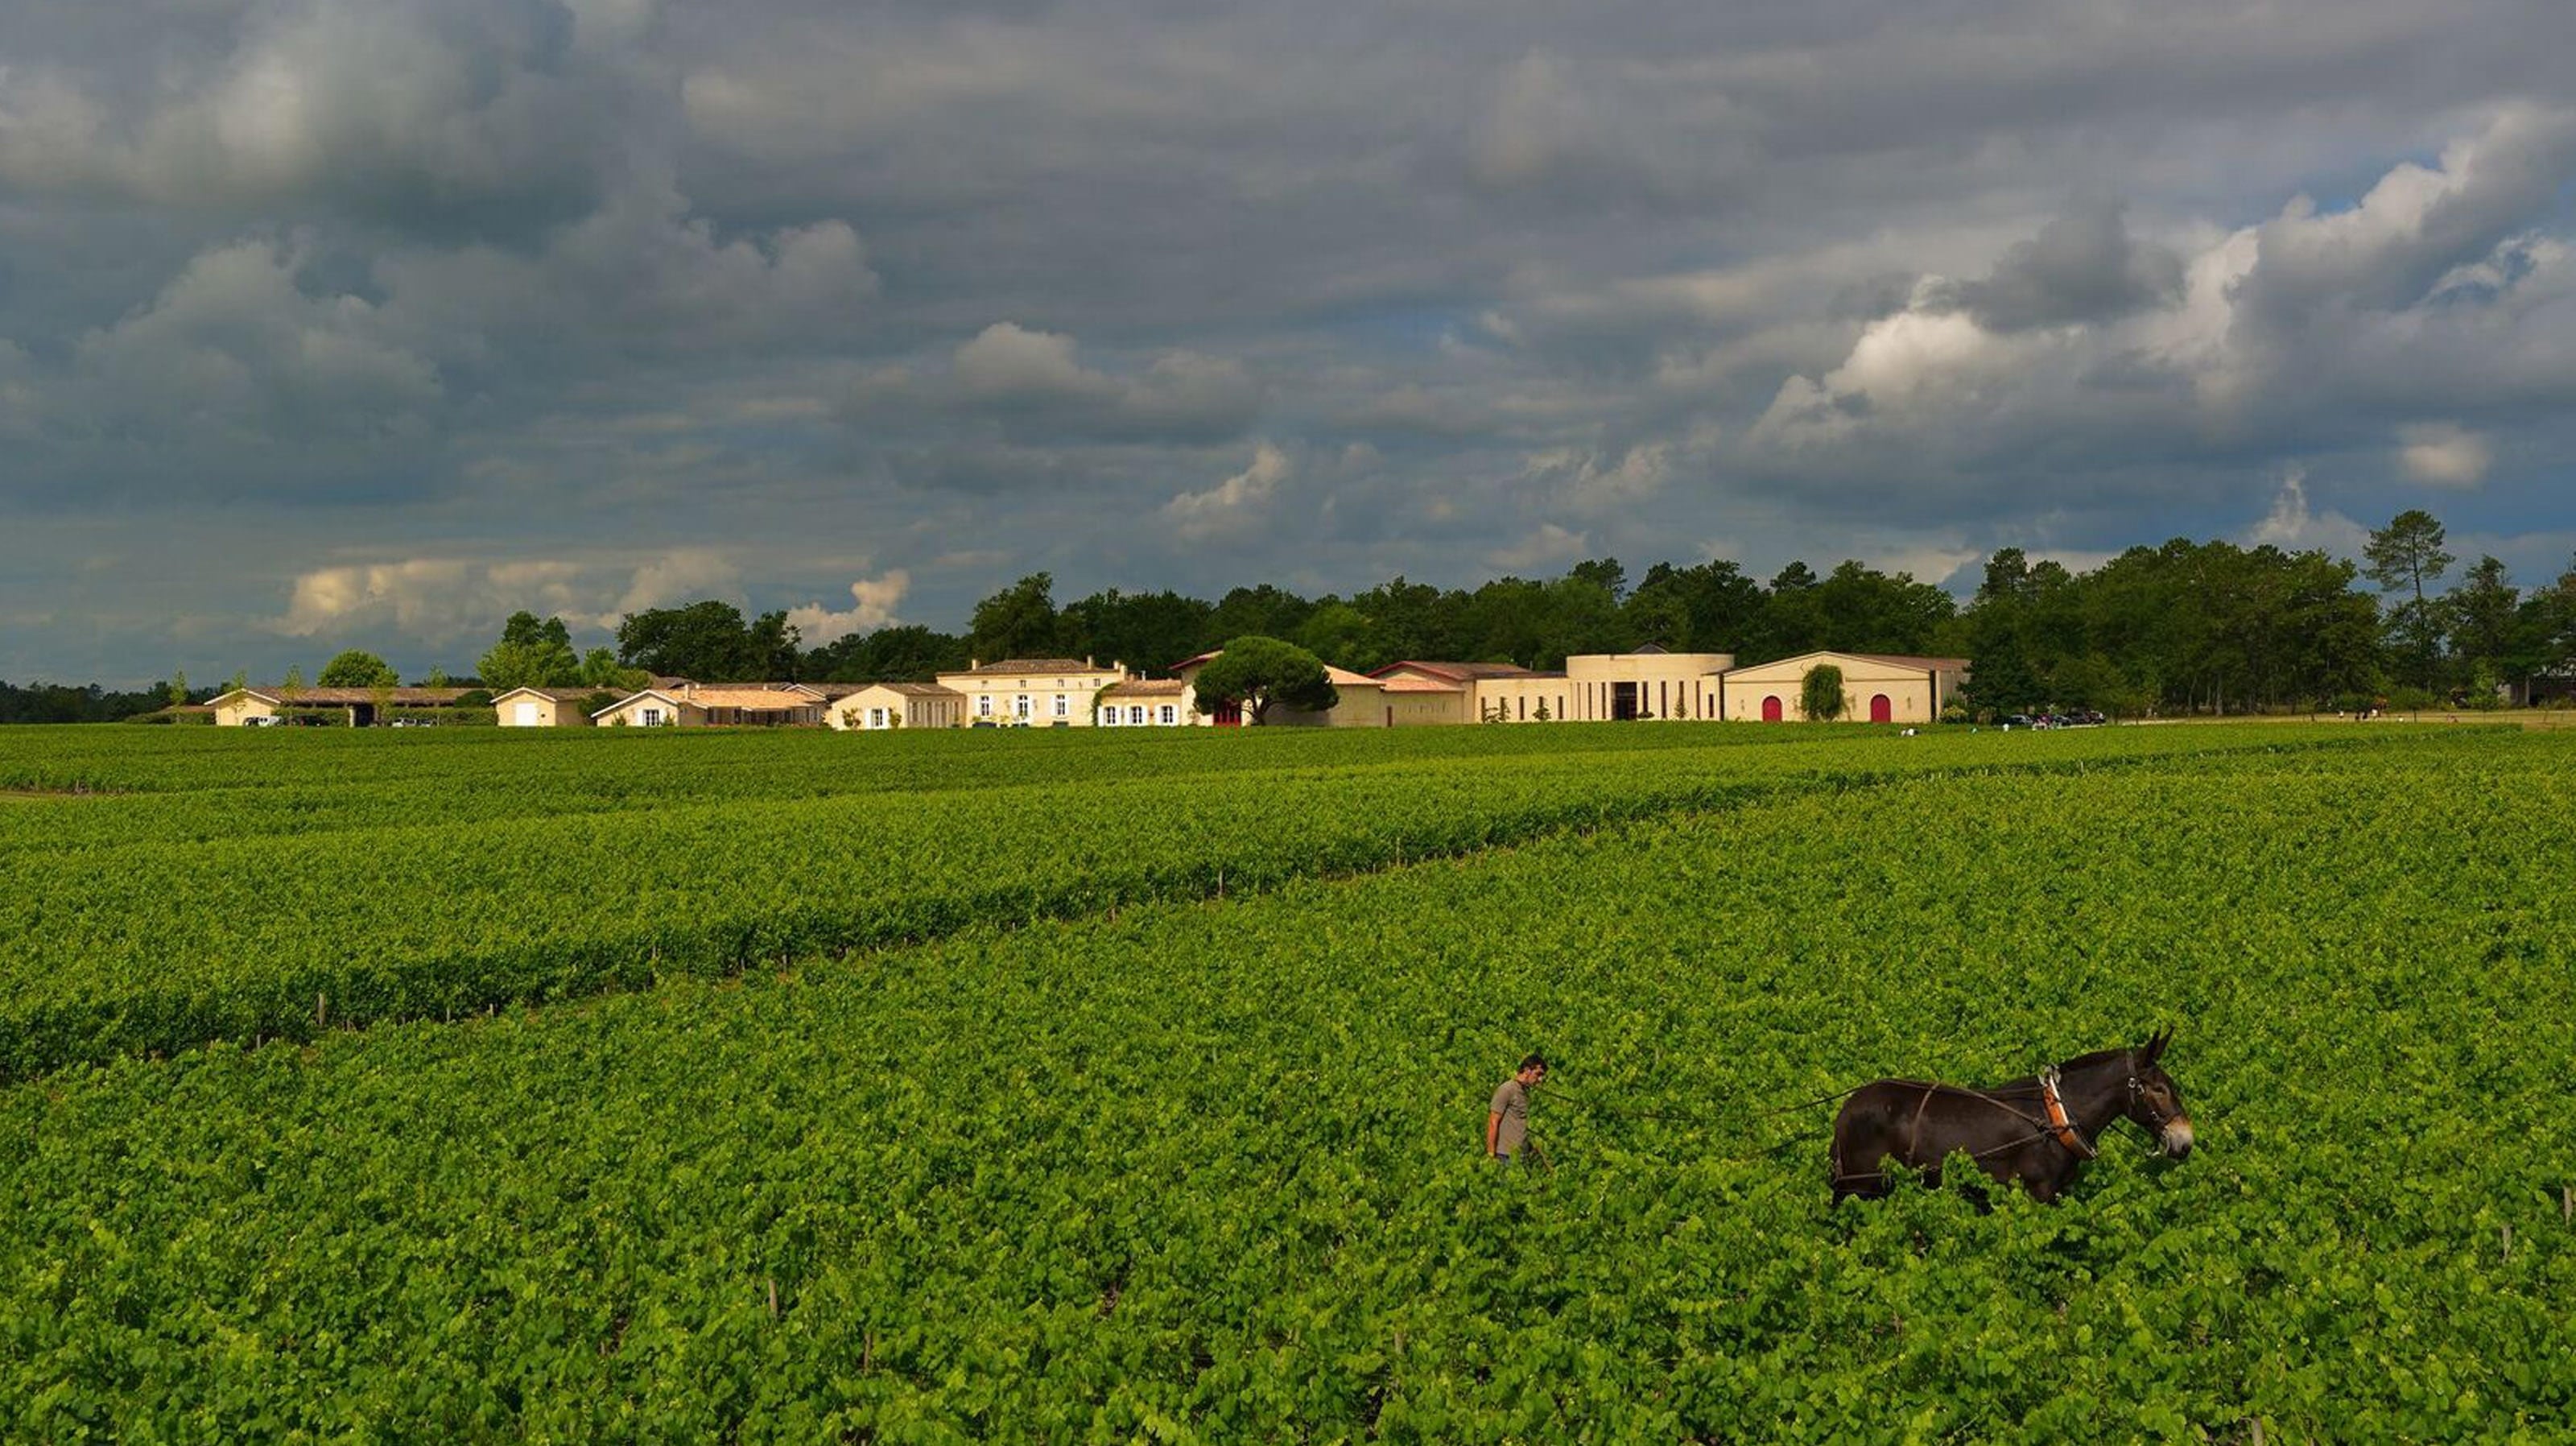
(2567, 1202)
(773, 1297)
(2508, 1244)
(321, 1010)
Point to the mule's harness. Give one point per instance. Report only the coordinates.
(2058, 1124)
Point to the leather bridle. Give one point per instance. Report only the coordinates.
(2138, 1093)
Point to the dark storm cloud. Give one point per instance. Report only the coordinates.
(460, 117)
(400, 314)
(2081, 267)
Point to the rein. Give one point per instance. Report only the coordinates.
(1633, 1112)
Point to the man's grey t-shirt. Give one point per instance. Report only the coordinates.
(1511, 1102)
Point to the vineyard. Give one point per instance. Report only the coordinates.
(1107, 1088)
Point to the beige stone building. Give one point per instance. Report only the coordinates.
(1032, 692)
(544, 707)
(358, 706)
(1877, 687)
(1146, 703)
(702, 705)
(875, 706)
(1420, 692)
(1592, 687)
(1648, 683)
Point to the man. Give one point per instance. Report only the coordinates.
(1507, 1124)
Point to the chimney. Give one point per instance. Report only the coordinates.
(1086, 661)
(973, 663)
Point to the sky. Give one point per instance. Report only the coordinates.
(334, 323)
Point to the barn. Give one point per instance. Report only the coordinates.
(1877, 687)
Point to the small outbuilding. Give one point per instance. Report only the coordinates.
(876, 706)
(545, 707)
(1146, 703)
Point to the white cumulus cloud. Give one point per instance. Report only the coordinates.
(2444, 454)
(1235, 508)
(873, 602)
(2295, 526)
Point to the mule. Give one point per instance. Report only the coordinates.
(2037, 1131)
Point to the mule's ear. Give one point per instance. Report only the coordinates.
(2155, 1046)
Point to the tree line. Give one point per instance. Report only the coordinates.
(2206, 627)
(2209, 627)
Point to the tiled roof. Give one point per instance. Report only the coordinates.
(337, 697)
(1415, 685)
(1036, 665)
(757, 700)
(1341, 677)
(560, 695)
(1145, 688)
(1893, 660)
(1459, 671)
(1909, 660)
(909, 690)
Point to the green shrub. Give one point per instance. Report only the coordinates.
(1820, 694)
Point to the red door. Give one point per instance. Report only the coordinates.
(1229, 715)
(1881, 710)
(1771, 709)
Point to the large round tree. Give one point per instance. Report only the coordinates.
(356, 669)
(1258, 674)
